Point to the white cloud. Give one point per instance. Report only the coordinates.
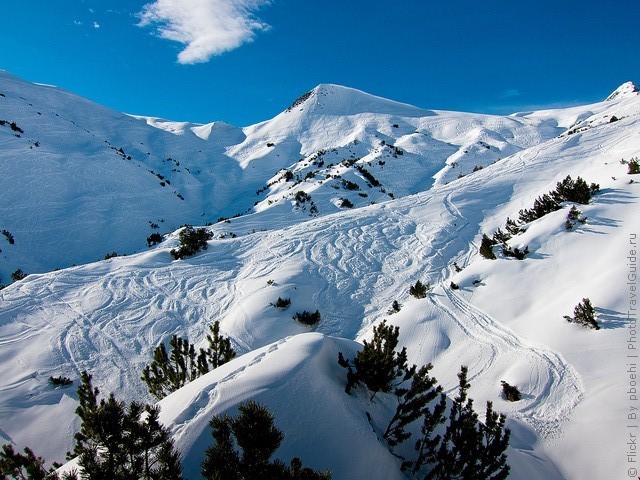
(206, 27)
(96, 25)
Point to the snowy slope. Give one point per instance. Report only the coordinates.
(351, 265)
(82, 181)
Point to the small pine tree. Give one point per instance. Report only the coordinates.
(346, 203)
(9, 236)
(501, 237)
(412, 403)
(18, 275)
(256, 437)
(469, 449)
(154, 239)
(574, 213)
(427, 445)
(577, 191)
(512, 227)
(169, 372)
(191, 242)
(395, 308)
(584, 314)
(378, 365)
(308, 318)
(633, 168)
(486, 248)
(419, 290)
(282, 302)
(220, 350)
(23, 466)
(60, 381)
(120, 442)
(515, 252)
(510, 392)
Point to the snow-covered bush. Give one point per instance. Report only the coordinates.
(510, 392)
(307, 318)
(419, 290)
(584, 314)
(282, 302)
(154, 239)
(191, 241)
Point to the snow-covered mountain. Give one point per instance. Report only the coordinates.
(423, 186)
(81, 181)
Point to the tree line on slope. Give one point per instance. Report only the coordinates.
(567, 190)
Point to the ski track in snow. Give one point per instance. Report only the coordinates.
(108, 316)
(357, 278)
(206, 398)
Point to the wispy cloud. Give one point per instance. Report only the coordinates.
(96, 25)
(510, 93)
(206, 27)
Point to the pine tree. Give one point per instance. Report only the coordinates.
(510, 392)
(257, 439)
(120, 442)
(220, 350)
(427, 445)
(221, 460)
(169, 372)
(501, 237)
(577, 191)
(378, 365)
(191, 242)
(470, 450)
(512, 227)
(486, 248)
(419, 290)
(585, 315)
(23, 466)
(412, 403)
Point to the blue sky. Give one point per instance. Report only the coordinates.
(244, 61)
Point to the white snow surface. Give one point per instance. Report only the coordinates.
(505, 322)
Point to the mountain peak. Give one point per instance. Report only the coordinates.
(331, 99)
(627, 89)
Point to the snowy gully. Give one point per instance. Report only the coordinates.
(632, 361)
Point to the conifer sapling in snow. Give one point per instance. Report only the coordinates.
(257, 439)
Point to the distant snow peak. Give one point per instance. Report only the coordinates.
(625, 90)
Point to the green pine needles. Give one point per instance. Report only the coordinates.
(243, 447)
(468, 449)
(584, 314)
(191, 242)
(455, 447)
(120, 442)
(170, 371)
